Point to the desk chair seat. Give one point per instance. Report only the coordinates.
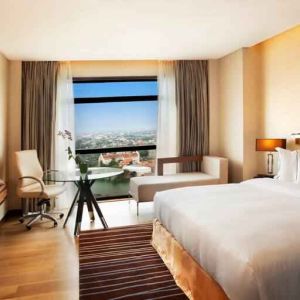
(31, 185)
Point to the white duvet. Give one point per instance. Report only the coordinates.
(246, 236)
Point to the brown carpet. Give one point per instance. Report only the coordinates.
(121, 264)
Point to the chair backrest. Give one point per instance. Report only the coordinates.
(28, 164)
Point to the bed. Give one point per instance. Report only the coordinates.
(234, 241)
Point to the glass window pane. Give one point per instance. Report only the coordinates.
(134, 163)
(115, 89)
(115, 124)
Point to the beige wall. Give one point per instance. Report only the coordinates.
(3, 124)
(258, 91)
(14, 129)
(281, 84)
(3, 114)
(114, 68)
(230, 93)
(237, 95)
(214, 112)
(252, 110)
(279, 72)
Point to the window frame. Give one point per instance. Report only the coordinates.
(88, 100)
(79, 100)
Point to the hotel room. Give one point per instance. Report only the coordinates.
(150, 149)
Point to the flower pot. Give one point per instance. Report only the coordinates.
(83, 167)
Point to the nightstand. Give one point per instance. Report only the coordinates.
(264, 176)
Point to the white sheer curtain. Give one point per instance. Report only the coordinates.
(64, 121)
(167, 130)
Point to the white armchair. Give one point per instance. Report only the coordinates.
(31, 185)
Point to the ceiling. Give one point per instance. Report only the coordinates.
(138, 29)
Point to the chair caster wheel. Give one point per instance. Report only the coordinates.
(21, 221)
(28, 227)
(61, 216)
(55, 224)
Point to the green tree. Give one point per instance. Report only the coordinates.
(113, 163)
(144, 154)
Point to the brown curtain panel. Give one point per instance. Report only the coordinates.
(193, 110)
(38, 113)
(38, 108)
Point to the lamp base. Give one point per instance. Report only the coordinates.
(270, 163)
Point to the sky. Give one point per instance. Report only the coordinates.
(107, 89)
(117, 116)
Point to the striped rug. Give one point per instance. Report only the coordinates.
(121, 264)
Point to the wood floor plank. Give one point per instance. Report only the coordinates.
(43, 263)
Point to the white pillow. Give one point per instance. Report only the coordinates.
(288, 165)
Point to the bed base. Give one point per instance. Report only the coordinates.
(187, 273)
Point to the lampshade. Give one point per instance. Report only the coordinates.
(270, 144)
(297, 137)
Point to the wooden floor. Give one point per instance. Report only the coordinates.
(43, 263)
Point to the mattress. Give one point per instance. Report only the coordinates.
(245, 236)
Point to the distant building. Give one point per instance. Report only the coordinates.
(122, 158)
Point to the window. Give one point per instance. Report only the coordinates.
(115, 126)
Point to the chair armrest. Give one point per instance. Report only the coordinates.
(216, 166)
(47, 171)
(48, 180)
(36, 179)
(178, 159)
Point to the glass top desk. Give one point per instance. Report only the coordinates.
(84, 193)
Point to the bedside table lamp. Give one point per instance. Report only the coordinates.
(269, 145)
(297, 137)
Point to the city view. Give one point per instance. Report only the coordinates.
(115, 124)
(119, 185)
(116, 139)
(113, 139)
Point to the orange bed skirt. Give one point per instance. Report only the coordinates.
(187, 273)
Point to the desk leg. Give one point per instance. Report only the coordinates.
(79, 214)
(72, 207)
(86, 195)
(90, 209)
(98, 210)
(85, 191)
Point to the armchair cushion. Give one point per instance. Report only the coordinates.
(144, 188)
